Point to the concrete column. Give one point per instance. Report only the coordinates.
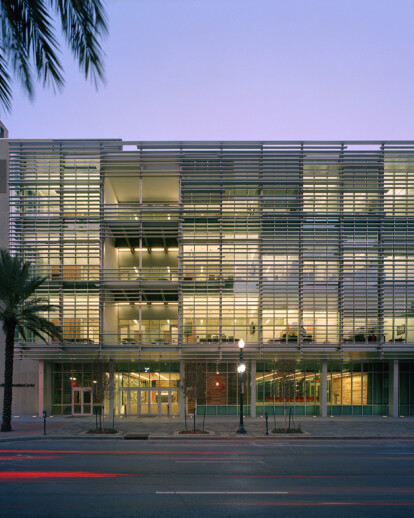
(393, 389)
(111, 387)
(324, 389)
(47, 387)
(253, 388)
(181, 395)
(41, 388)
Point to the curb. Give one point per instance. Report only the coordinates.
(290, 438)
(60, 438)
(207, 438)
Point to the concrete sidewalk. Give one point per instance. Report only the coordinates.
(364, 427)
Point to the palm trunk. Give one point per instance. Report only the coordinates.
(8, 379)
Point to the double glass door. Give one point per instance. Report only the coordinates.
(148, 401)
(82, 401)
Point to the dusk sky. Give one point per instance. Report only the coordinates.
(238, 69)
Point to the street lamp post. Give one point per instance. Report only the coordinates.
(241, 368)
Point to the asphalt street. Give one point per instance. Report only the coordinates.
(62, 478)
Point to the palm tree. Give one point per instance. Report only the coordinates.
(20, 310)
(28, 41)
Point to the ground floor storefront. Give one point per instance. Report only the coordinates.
(312, 388)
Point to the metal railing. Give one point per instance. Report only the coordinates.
(144, 339)
(140, 274)
(68, 273)
(141, 211)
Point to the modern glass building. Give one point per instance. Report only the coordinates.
(164, 254)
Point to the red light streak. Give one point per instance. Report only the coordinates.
(117, 452)
(13, 475)
(26, 457)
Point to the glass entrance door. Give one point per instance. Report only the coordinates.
(82, 403)
(167, 401)
(164, 396)
(174, 402)
(154, 407)
(129, 399)
(144, 401)
(148, 401)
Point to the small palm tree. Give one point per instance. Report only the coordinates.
(20, 311)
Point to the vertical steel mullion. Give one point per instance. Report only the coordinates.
(380, 262)
(260, 258)
(221, 284)
(180, 257)
(340, 320)
(300, 251)
(101, 251)
(61, 241)
(140, 297)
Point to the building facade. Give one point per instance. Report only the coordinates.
(162, 255)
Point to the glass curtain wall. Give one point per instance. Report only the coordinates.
(219, 389)
(286, 384)
(406, 388)
(303, 250)
(159, 381)
(354, 388)
(358, 388)
(220, 260)
(54, 223)
(398, 239)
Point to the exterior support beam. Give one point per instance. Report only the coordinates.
(394, 385)
(111, 386)
(181, 395)
(324, 389)
(253, 388)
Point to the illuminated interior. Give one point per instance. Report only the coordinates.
(177, 252)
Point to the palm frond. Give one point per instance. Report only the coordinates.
(84, 25)
(40, 326)
(44, 44)
(32, 285)
(21, 330)
(19, 304)
(30, 309)
(28, 41)
(5, 84)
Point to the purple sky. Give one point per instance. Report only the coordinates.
(239, 69)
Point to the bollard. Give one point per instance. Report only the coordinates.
(44, 421)
(267, 422)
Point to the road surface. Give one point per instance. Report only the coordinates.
(200, 478)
